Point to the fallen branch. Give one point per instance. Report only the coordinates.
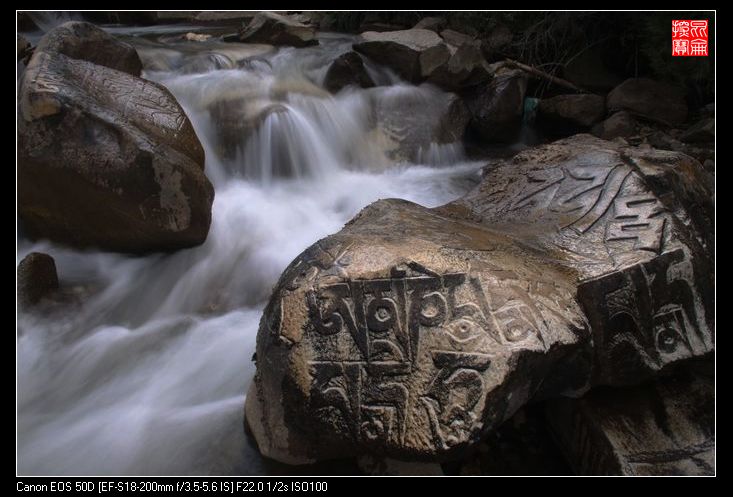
(543, 75)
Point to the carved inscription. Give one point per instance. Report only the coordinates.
(637, 218)
(584, 192)
(646, 315)
(379, 324)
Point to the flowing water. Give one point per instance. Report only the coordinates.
(145, 368)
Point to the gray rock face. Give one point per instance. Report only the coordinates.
(496, 111)
(651, 99)
(36, 278)
(565, 114)
(663, 428)
(411, 53)
(275, 29)
(347, 69)
(412, 332)
(620, 124)
(106, 159)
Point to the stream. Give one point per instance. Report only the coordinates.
(146, 372)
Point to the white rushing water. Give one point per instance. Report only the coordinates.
(147, 374)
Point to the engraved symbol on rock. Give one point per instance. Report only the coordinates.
(364, 373)
(637, 217)
(647, 314)
(453, 394)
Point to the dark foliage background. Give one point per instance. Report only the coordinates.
(631, 44)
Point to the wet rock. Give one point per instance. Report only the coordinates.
(665, 141)
(85, 41)
(569, 114)
(23, 46)
(412, 332)
(432, 23)
(466, 68)
(412, 122)
(663, 428)
(620, 124)
(36, 278)
(496, 110)
(650, 99)
(701, 132)
(411, 53)
(235, 119)
(106, 159)
(275, 29)
(347, 69)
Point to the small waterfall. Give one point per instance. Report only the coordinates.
(147, 375)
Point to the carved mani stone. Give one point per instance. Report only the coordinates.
(106, 159)
(663, 428)
(413, 331)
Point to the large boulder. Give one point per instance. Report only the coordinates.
(412, 53)
(650, 99)
(569, 114)
(348, 69)
(413, 332)
(37, 278)
(276, 29)
(466, 68)
(106, 159)
(496, 110)
(85, 41)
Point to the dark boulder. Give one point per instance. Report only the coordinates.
(275, 29)
(347, 69)
(650, 99)
(36, 278)
(496, 110)
(413, 53)
(106, 159)
(570, 114)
